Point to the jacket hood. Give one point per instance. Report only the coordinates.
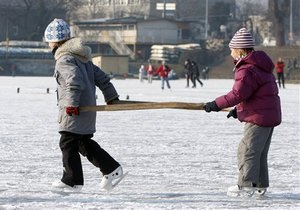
(259, 59)
(75, 48)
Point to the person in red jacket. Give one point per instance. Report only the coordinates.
(163, 71)
(150, 69)
(257, 104)
(280, 71)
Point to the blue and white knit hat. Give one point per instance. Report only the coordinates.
(242, 39)
(58, 30)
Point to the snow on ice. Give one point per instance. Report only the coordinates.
(177, 159)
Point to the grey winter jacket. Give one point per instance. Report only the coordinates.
(77, 78)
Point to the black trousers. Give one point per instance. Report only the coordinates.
(72, 145)
(188, 78)
(280, 77)
(196, 78)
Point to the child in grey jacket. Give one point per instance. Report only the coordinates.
(77, 78)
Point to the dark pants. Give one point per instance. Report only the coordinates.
(71, 145)
(280, 77)
(188, 78)
(196, 78)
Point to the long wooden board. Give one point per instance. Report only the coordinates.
(141, 106)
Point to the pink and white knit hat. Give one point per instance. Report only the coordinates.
(242, 39)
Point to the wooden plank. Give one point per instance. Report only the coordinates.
(142, 106)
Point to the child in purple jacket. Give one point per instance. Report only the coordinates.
(255, 97)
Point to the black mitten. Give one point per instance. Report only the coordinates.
(232, 113)
(114, 101)
(211, 106)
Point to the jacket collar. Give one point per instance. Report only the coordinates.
(75, 48)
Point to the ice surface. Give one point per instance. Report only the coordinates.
(177, 159)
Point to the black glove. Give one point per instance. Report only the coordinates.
(211, 106)
(232, 113)
(114, 101)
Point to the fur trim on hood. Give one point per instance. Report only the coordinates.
(75, 48)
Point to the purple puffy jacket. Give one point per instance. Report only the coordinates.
(255, 92)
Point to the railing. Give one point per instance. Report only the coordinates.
(117, 43)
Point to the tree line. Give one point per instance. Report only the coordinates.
(27, 19)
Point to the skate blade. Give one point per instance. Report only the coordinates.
(118, 181)
(240, 194)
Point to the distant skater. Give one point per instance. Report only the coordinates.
(141, 73)
(196, 74)
(164, 71)
(150, 70)
(280, 72)
(77, 78)
(205, 72)
(188, 72)
(188, 68)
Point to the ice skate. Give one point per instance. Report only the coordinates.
(109, 181)
(59, 186)
(260, 191)
(237, 191)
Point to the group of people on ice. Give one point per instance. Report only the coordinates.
(254, 98)
(162, 71)
(192, 73)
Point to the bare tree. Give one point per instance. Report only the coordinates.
(94, 8)
(84, 10)
(278, 11)
(27, 19)
(250, 7)
(219, 15)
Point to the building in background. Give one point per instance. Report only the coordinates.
(132, 27)
(201, 19)
(132, 36)
(26, 20)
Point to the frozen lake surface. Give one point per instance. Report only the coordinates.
(177, 159)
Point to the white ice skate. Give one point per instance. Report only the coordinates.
(111, 180)
(59, 186)
(237, 191)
